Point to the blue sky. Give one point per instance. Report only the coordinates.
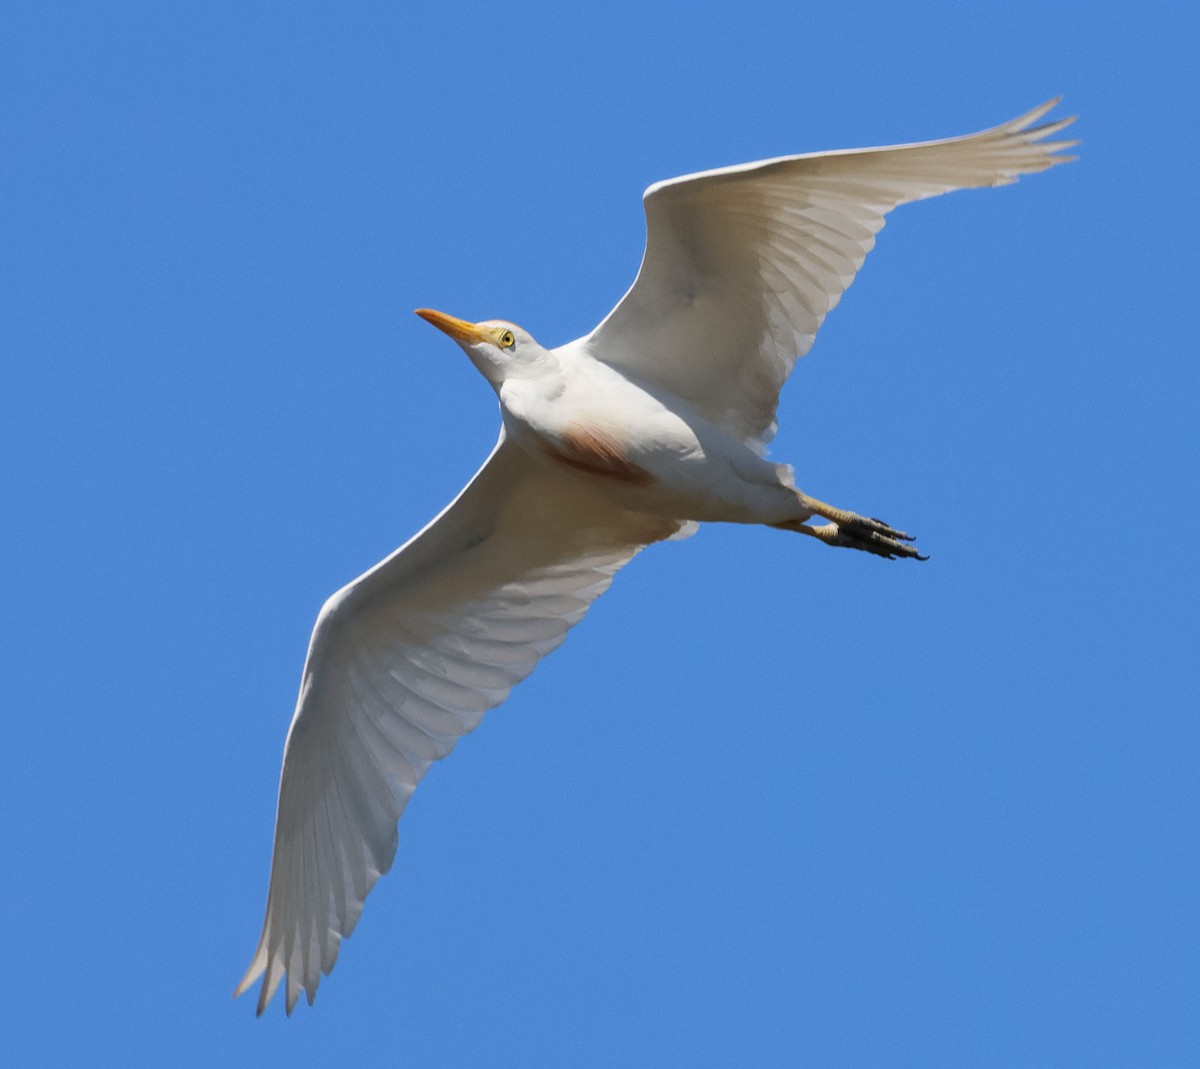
(771, 804)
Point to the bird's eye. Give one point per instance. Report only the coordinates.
(507, 340)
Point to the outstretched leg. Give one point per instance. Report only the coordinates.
(852, 530)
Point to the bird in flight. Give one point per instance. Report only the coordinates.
(654, 422)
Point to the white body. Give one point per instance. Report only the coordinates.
(698, 471)
(655, 420)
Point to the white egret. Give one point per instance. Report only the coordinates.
(654, 421)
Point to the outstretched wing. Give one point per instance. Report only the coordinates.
(404, 661)
(742, 264)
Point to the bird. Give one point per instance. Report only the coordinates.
(654, 422)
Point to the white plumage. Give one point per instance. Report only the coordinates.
(655, 420)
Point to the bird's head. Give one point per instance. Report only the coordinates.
(500, 350)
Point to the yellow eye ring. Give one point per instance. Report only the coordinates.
(507, 340)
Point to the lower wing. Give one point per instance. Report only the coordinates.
(402, 663)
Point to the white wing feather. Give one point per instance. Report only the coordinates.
(742, 264)
(402, 663)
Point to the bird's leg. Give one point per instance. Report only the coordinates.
(850, 529)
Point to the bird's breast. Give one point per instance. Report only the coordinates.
(593, 449)
(603, 428)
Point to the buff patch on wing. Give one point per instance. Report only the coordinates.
(596, 452)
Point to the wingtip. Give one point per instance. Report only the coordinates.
(257, 964)
(1023, 130)
(1032, 116)
(244, 986)
(1047, 129)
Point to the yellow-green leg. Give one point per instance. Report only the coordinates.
(853, 531)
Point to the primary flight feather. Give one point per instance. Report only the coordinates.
(656, 420)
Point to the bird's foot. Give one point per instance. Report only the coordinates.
(857, 532)
(861, 532)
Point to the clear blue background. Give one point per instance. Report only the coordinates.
(772, 804)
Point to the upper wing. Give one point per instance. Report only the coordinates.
(743, 263)
(404, 661)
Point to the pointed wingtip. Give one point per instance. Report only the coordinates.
(257, 964)
(1024, 122)
(1024, 131)
(1034, 114)
(243, 987)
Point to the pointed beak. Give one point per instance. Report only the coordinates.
(459, 329)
